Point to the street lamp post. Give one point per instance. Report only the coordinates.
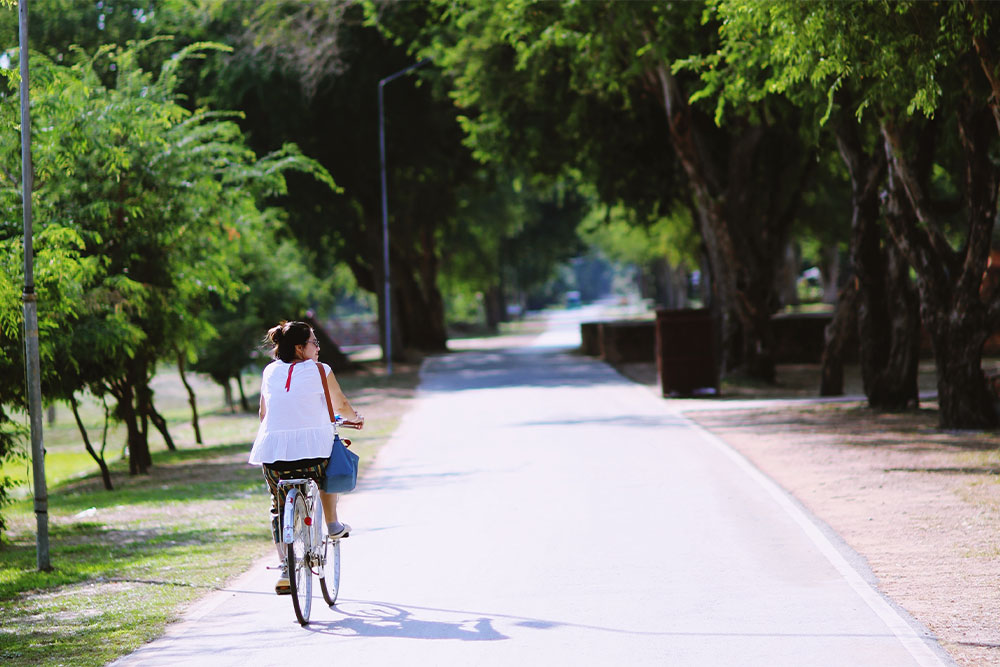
(385, 209)
(30, 301)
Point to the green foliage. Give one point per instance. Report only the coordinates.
(895, 55)
(59, 271)
(564, 90)
(624, 238)
(143, 210)
(508, 236)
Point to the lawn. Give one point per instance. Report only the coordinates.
(128, 561)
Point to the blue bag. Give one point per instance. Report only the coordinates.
(341, 469)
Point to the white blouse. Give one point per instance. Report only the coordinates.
(296, 422)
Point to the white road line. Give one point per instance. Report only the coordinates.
(900, 627)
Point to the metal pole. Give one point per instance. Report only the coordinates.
(387, 303)
(385, 209)
(31, 362)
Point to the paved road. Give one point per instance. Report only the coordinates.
(534, 508)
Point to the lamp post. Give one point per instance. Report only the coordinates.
(30, 301)
(385, 209)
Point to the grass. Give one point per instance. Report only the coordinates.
(127, 562)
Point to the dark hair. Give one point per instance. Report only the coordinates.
(285, 337)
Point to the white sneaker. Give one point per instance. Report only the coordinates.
(282, 585)
(343, 531)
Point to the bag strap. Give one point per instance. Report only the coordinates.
(326, 390)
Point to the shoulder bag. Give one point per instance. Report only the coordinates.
(342, 468)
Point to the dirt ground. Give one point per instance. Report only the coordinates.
(920, 504)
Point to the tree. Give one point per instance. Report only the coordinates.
(327, 80)
(61, 274)
(508, 237)
(927, 75)
(665, 248)
(531, 75)
(159, 195)
(279, 287)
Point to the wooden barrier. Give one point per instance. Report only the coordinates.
(628, 341)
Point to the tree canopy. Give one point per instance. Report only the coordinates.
(926, 76)
(147, 203)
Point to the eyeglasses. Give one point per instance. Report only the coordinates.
(313, 341)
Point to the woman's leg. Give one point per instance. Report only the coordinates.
(329, 506)
(277, 502)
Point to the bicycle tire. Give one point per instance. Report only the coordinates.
(329, 583)
(299, 572)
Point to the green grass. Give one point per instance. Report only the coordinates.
(126, 562)
(66, 458)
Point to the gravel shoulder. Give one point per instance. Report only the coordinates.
(920, 504)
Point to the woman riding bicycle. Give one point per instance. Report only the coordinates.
(295, 437)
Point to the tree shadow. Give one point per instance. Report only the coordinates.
(620, 421)
(514, 368)
(966, 470)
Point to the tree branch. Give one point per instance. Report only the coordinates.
(928, 230)
(988, 61)
(981, 197)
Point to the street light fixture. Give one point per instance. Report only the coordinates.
(385, 209)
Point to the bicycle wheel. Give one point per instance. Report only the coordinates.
(329, 581)
(299, 574)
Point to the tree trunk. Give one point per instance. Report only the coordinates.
(787, 277)
(745, 196)
(146, 410)
(840, 332)
(227, 396)
(161, 425)
(669, 284)
(887, 315)
(897, 341)
(830, 272)
(420, 310)
(244, 403)
(329, 351)
(493, 307)
(192, 399)
(949, 281)
(139, 459)
(99, 459)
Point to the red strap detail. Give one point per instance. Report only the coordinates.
(288, 382)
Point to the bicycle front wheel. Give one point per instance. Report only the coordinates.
(299, 574)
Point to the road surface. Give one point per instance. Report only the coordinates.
(535, 508)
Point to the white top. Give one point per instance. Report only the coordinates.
(296, 422)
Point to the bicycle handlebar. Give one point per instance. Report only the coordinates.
(358, 425)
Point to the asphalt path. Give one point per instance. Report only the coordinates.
(535, 508)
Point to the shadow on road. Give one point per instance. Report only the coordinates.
(382, 619)
(620, 421)
(514, 368)
(379, 619)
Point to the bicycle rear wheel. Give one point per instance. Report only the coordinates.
(299, 574)
(329, 583)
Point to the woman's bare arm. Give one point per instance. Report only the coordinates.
(340, 402)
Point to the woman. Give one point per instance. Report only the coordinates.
(295, 437)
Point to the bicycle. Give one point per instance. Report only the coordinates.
(308, 544)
